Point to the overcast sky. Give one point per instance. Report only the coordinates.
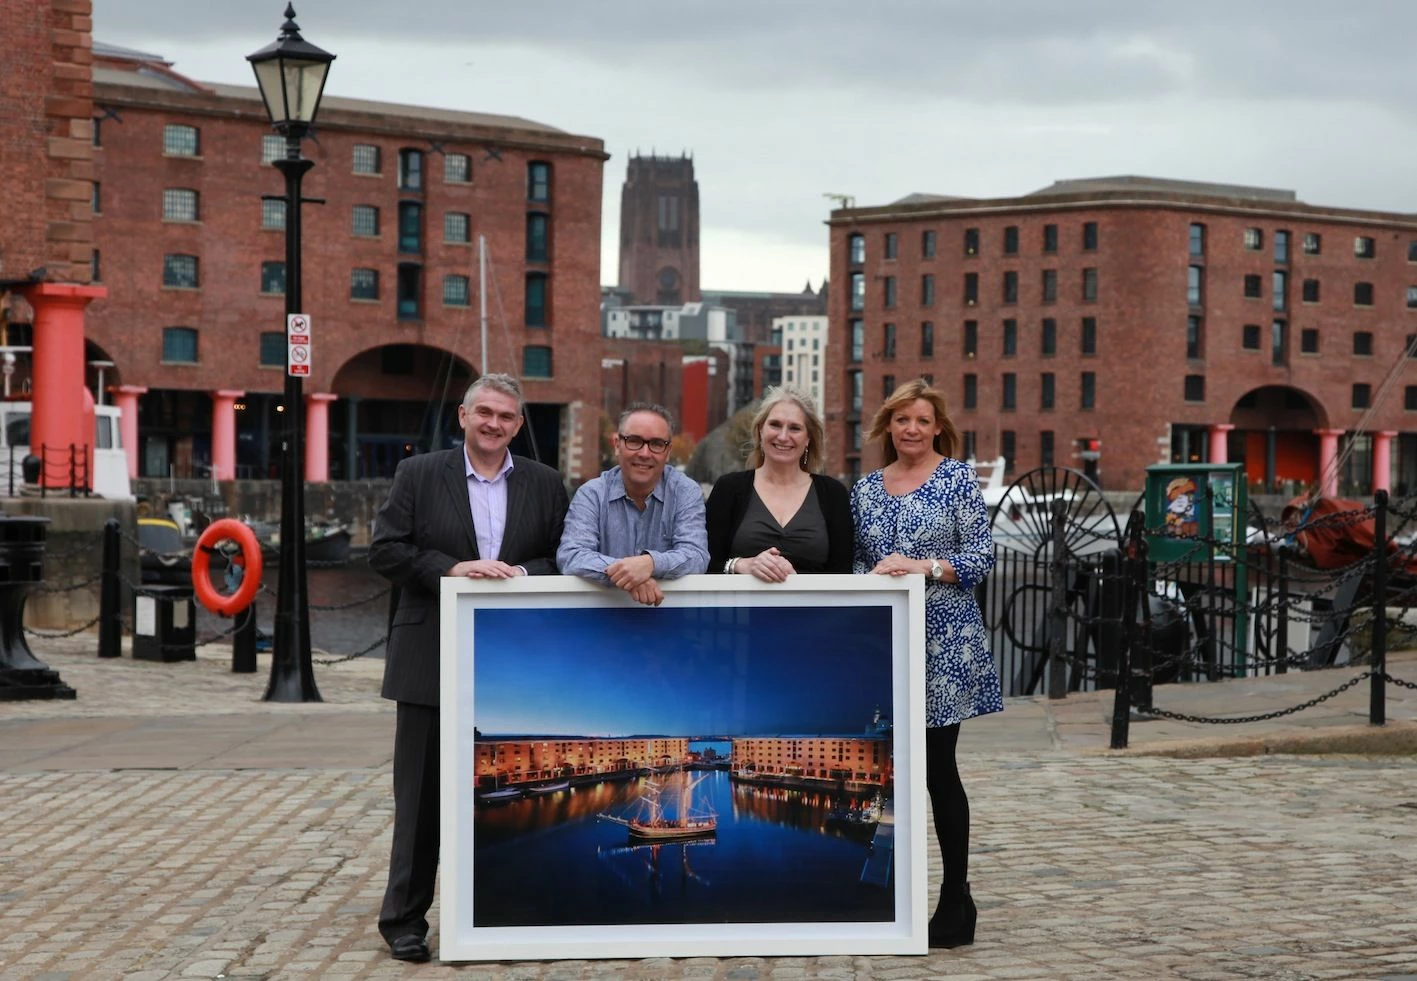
(781, 103)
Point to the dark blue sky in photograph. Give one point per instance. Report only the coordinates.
(734, 671)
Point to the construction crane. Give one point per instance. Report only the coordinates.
(842, 200)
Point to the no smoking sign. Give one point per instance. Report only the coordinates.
(297, 335)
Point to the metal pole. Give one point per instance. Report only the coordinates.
(243, 642)
(1058, 614)
(292, 672)
(1281, 642)
(110, 594)
(482, 297)
(1377, 684)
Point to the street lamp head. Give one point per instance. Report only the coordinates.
(291, 75)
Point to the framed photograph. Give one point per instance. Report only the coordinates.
(739, 771)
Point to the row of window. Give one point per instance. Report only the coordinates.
(180, 346)
(1087, 390)
(1008, 442)
(1010, 292)
(1009, 334)
(1364, 246)
(890, 246)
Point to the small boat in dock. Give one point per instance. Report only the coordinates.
(505, 794)
(549, 788)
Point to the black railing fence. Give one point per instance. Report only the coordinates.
(1075, 605)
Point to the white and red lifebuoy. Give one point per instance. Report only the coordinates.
(249, 558)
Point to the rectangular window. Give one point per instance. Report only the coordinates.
(856, 249)
(1194, 388)
(537, 237)
(967, 440)
(1309, 340)
(858, 340)
(1363, 294)
(887, 386)
(272, 148)
(1194, 280)
(971, 289)
(1045, 448)
(858, 291)
(1050, 285)
(536, 361)
(888, 291)
(273, 348)
(927, 340)
(457, 168)
(410, 169)
(95, 268)
(1050, 238)
(892, 247)
(1412, 251)
(888, 342)
(364, 284)
(96, 198)
(1363, 342)
(455, 291)
(1048, 337)
(1010, 400)
(1089, 335)
(854, 386)
(179, 204)
(536, 300)
(1010, 338)
(1310, 290)
(365, 220)
(1089, 236)
(1250, 337)
(971, 338)
(1409, 398)
(1362, 395)
(179, 345)
(1088, 390)
(409, 287)
(96, 131)
(1279, 289)
(971, 241)
(1010, 287)
(1412, 297)
(1254, 239)
(927, 290)
(538, 181)
(971, 391)
(180, 141)
(180, 271)
(410, 227)
(456, 227)
(1254, 285)
(1011, 240)
(1313, 243)
(273, 214)
(1007, 446)
(1194, 349)
(1046, 390)
(273, 277)
(1281, 247)
(366, 159)
(1089, 285)
(1197, 241)
(1279, 342)
(1365, 247)
(927, 245)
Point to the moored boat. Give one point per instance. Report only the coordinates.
(549, 788)
(506, 793)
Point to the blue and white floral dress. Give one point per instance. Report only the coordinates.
(943, 518)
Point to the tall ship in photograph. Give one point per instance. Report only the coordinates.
(651, 821)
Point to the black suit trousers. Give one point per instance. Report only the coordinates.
(413, 860)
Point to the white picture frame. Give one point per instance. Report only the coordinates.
(715, 654)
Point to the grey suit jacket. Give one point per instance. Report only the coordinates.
(425, 528)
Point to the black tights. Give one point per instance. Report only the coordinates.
(950, 805)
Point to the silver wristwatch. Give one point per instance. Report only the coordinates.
(936, 570)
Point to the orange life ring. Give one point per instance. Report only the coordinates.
(227, 529)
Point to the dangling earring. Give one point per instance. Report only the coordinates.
(804, 456)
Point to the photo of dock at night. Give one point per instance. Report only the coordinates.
(743, 774)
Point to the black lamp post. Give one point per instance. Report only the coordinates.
(291, 75)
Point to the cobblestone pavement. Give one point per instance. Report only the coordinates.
(1084, 866)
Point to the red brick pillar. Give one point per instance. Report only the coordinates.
(126, 398)
(1219, 451)
(58, 375)
(224, 433)
(317, 436)
(1382, 459)
(1328, 461)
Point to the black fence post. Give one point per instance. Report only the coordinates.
(110, 595)
(1281, 642)
(1131, 590)
(1377, 709)
(1058, 613)
(243, 643)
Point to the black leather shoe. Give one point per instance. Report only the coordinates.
(954, 920)
(409, 947)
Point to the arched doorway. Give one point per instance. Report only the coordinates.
(1274, 437)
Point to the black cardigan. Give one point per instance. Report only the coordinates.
(728, 503)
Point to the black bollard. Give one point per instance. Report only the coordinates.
(110, 596)
(22, 675)
(243, 643)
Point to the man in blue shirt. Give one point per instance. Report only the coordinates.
(638, 523)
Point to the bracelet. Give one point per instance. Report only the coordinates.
(729, 565)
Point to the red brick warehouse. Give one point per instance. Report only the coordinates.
(189, 235)
(1171, 320)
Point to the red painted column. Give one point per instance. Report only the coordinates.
(1219, 452)
(126, 398)
(1382, 459)
(224, 433)
(1328, 460)
(58, 374)
(317, 436)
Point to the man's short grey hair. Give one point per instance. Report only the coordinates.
(497, 382)
(634, 407)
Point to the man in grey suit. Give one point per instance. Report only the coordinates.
(478, 512)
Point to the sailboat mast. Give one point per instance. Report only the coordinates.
(482, 297)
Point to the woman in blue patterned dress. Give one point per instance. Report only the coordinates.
(922, 514)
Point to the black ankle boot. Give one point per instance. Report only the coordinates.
(953, 922)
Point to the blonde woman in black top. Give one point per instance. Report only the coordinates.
(780, 516)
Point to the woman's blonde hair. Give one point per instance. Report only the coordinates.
(816, 434)
(946, 440)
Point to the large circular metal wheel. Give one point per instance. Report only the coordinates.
(1022, 519)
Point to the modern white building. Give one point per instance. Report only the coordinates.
(804, 355)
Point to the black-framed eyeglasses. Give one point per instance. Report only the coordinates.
(636, 443)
